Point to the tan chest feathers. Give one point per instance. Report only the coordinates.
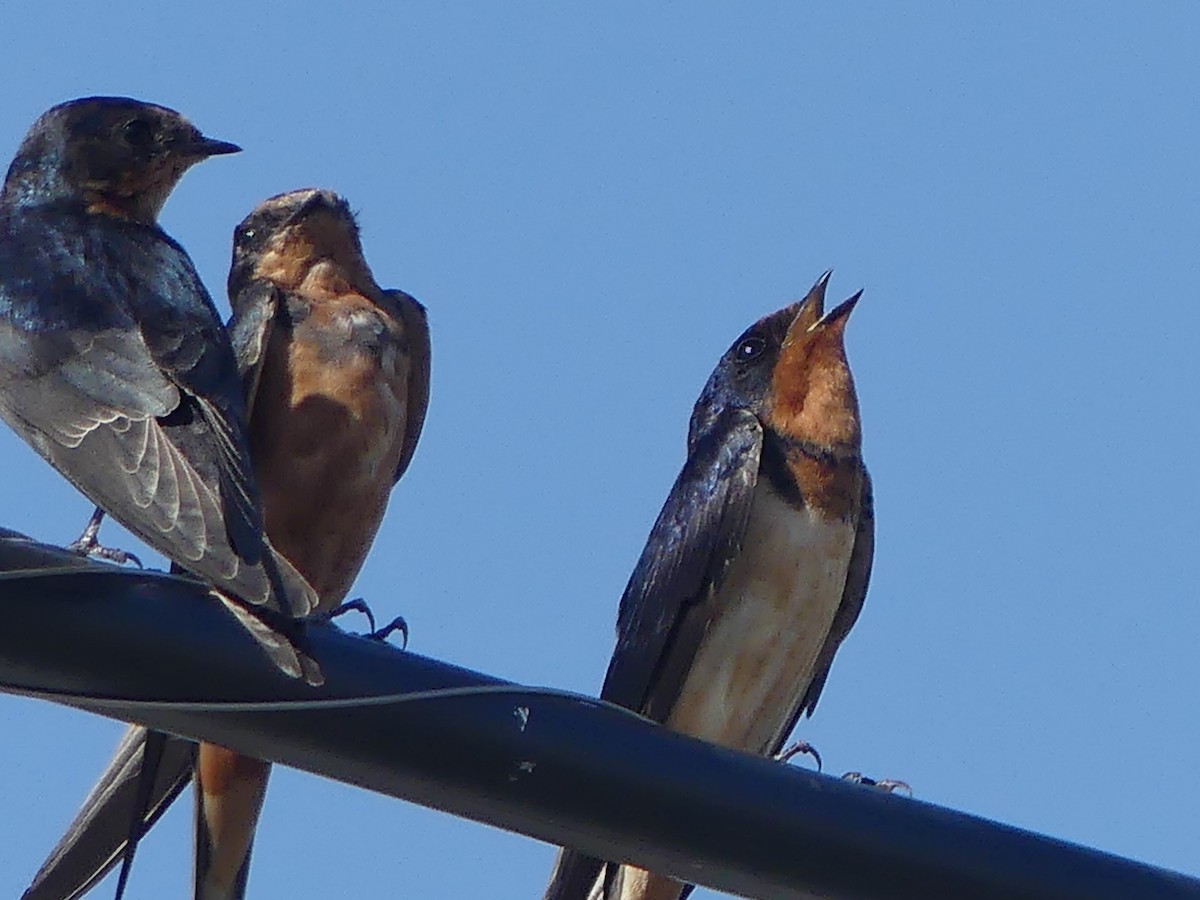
(773, 615)
(327, 435)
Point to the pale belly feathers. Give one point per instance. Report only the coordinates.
(774, 613)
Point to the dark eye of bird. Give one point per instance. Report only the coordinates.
(749, 349)
(138, 133)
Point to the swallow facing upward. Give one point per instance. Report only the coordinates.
(113, 362)
(336, 374)
(757, 566)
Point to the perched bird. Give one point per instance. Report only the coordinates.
(757, 566)
(336, 375)
(113, 362)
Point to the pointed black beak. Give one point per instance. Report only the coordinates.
(842, 310)
(205, 147)
(313, 203)
(318, 199)
(816, 294)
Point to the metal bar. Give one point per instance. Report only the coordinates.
(155, 649)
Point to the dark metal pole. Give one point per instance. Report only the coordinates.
(565, 769)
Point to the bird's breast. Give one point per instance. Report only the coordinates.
(772, 614)
(328, 428)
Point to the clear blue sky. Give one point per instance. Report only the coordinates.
(593, 203)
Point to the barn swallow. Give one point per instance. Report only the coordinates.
(113, 362)
(757, 566)
(336, 375)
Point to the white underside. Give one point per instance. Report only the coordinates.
(775, 610)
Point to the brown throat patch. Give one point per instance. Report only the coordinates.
(317, 257)
(812, 391)
(808, 475)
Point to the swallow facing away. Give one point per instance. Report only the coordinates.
(336, 375)
(757, 566)
(113, 362)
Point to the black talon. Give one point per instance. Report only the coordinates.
(798, 748)
(112, 554)
(358, 604)
(88, 544)
(887, 785)
(397, 624)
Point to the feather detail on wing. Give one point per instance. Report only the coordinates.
(105, 415)
(697, 534)
(96, 837)
(416, 333)
(250, 330)
(664, 609)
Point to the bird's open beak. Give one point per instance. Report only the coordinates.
(841, 311)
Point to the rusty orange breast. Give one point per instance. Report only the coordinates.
(327, 433)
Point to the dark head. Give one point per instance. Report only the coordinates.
(290, 235)
(114, 155)
(790, 370)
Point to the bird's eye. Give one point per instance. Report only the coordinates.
(138, 133)
(246, 235)
(749, 349)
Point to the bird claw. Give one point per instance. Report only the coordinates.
(112, 554)
(797, 749)
(358, 604)
(88, 544)
(887, 785)
(397, 624)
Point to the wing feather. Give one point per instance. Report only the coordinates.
(665, 609)
(250, 329)
(698, 533)
(95, 839)
(416, 333)
(135, 453)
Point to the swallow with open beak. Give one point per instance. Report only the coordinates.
(757, 566)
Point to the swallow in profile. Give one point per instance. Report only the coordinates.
(336, 375)
(113, 362)
(757, 566)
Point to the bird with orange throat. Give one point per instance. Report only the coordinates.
(757, 566)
